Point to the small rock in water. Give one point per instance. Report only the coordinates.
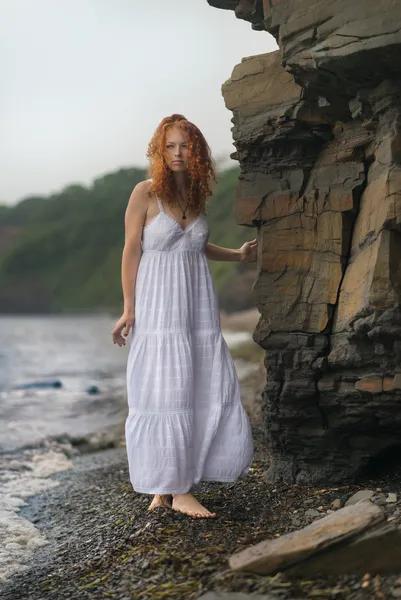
(361, 496)
(336, 504)
(39, 384)
(93, 389)
(391, 498)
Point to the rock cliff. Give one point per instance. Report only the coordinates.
(317, 131)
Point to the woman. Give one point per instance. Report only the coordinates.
(186, 423)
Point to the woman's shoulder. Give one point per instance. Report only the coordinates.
(140, 196)
(143, 187)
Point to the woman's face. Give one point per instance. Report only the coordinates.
(176, 149)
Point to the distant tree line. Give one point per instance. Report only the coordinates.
(62, 252)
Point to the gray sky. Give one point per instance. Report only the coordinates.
(85, 83)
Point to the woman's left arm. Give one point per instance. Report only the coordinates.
(247, 252)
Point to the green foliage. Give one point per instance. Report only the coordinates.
(20, 214)
(224, 230)
(72, 241)
(249, 352)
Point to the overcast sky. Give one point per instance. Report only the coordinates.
(84, 83)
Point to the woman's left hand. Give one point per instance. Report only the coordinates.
(248, 251)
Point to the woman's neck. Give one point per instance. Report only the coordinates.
(181, 180)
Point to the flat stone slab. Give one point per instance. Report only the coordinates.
(375, 551)
(338, 528)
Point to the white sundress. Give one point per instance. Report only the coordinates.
(186, 422)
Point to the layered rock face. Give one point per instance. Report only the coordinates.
(317, 128)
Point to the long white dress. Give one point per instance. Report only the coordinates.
(186, 422)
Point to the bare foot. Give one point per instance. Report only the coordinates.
(189, 505)
(163, 500)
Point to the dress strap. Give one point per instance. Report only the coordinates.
(160, 203)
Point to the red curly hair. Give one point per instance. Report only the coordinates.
(200, 164)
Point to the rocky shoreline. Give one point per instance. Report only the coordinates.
(317, 134)
(103, 543)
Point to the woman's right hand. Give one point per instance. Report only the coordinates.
(122, 327)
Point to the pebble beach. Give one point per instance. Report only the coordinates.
(103, 543)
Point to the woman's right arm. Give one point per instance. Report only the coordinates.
(135, 216)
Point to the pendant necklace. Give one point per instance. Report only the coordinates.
(184, 216)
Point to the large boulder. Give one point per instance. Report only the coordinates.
(317, 131)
